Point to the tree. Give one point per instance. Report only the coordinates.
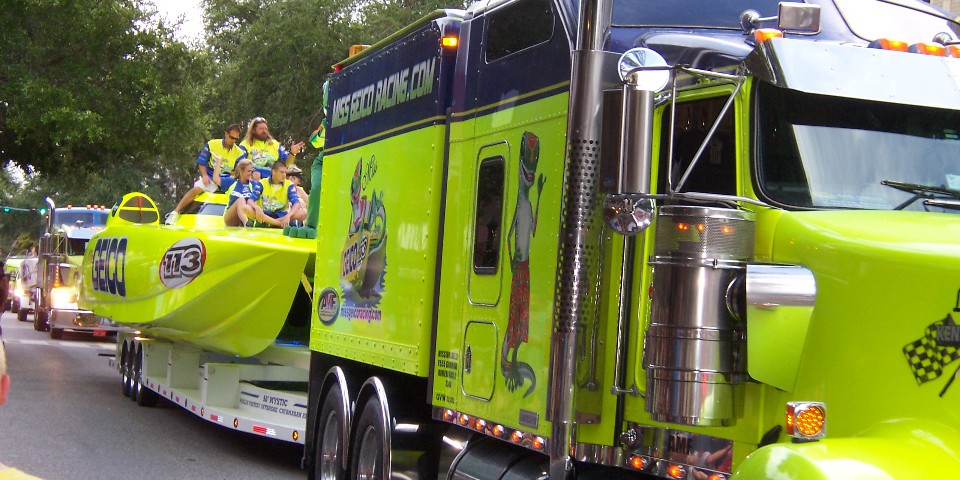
(97, 96)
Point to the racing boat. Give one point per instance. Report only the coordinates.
(227, 289)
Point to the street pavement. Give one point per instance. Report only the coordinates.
(66, 418)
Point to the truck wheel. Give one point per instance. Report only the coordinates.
(40, 321)
(125, 370)
(328, 462)
(143, 396)
(56, 333)
(370, 449)
(21, 315)
(15, 308)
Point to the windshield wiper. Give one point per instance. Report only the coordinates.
(920, 191)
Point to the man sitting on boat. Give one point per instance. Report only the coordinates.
(263, 149)
(279, 201)
(227, 151)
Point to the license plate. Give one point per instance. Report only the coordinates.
(99, 333)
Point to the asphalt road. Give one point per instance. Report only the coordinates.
(66, 418)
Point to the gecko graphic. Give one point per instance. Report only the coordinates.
(522, 229)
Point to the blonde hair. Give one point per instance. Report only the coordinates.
(239, 166)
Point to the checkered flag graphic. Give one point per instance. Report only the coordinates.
(925, 357)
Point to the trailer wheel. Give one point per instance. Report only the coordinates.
(21, 314)
(370, 450)
(143, 396)
(125, 370)
(329, 447)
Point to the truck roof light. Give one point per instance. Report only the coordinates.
(933, 49)
(889, 44)
(337, 68)
(763, 34)
(806, 420)
(355, 49)
(450, 41)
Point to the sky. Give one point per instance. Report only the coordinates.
(192, 12)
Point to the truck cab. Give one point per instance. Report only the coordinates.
(62, 246)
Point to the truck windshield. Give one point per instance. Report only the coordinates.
(828, 152)
(89, 218)
(896, 19)
(687, 13)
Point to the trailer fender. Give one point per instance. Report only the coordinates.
(896, 449)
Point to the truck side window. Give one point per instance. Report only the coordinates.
(716, 171)
(518, 26)
(489, 214)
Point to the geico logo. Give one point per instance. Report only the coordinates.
(353, 256)
(109, 265)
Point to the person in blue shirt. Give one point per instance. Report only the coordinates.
(226, 152)
(279, 200)
(243, 192)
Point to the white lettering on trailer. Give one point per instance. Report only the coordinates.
(394, 89)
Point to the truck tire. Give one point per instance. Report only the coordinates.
(329, 445)
(369, 449)
(56, 333)
(142, 395)
(40, 320)
(15, 307)
(21, 314)
(125, 370)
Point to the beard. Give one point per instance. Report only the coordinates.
(263, 137)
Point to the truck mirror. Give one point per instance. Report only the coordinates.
(628, 214)
(799, 17)
(644, 68)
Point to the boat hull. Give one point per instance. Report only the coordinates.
(227, 289)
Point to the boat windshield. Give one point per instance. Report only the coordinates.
(818, 151)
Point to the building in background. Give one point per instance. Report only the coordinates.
(952, 6)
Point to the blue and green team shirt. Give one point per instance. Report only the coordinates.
(229, 158)
(275, 197)
(236, 190)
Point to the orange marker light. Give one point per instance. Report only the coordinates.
(683, 227)
(464, 419)
(637, 462)
(448, 415)
(932, 49)
(516, 437)
(953, 51)
(763, 34)
(806, 420)
(701, 227)
(889, 44)
(727, 230)
(715, 476)
(450, 42)
(810, 421)
(676, 471)
(498, 430)
(538, 443)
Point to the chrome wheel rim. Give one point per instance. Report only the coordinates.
(369, 457)
(330, 447)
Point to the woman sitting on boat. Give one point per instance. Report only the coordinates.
(243, 193)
